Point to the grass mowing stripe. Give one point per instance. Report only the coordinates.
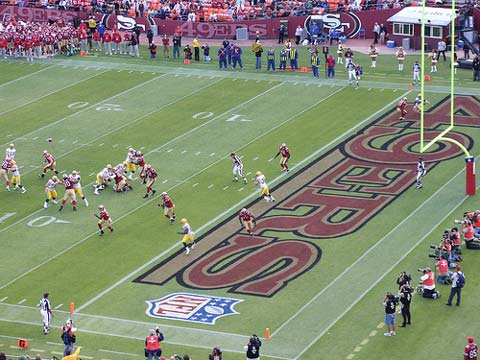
(215, 118)
(229, 210)
(93, 140)
(26, 76)
(51, 93)
(86, 108)
(385, 273)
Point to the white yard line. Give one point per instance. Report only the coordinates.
(89, 107)
(380, 277)
(25, 76)
(51, 93)
(237, 205)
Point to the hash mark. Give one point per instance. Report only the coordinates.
(101, 144)
(241, 189)
(91, 174)
(248, 173)
(270, 159)
(212, 154)
(21, 301)
(35, 138)
(210, 186)
(114, 146)
(58, 306)
(184, 151)
(197, 153)
(194, 184)
(226, 187)
(169, 150)
(357, 349)
(256, 158)
(5, 298)
(60, 141)
(164, 181)
(75, 141)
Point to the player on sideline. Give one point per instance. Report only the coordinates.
(49, 163)
(130, 163)
(188, 235)
(103, 178)
(471, 350)
(16, 177)
(237, 168)
(416, 73)
(352, 73)
(247, 220)
(151, 176)
(69, 193)
(285, 151)
(6, 164)
(168, 207)
(77, 187)
(261, 182)
(421, 171)
(418, 103)
(50, 191)
(10, 152)
(402, 108)
(103, 218)
(46, 311)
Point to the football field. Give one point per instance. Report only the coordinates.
(346, 221)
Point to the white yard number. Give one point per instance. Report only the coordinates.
(236, 117)
(6, 216)
(42, 221)
(103, 107)
(202, 115)
(77, 105)
(109, 107)
(206, 115)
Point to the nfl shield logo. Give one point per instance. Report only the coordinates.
(202, 309)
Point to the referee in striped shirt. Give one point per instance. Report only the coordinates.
(46, 311)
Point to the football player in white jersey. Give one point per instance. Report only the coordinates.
(50, 191)
(77, 187)
(130, 163)
(187, 240)
(10, 152)
(261, 182)
(103, 179)
(16, 177)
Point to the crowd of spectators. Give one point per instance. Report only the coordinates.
(215, 10)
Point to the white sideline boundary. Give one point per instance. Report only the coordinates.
(26, 76)
(99, 137)
(237, 205)
(51, 93)
(84, 109)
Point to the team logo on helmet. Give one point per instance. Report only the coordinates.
(202, 309)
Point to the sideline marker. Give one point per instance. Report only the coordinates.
(22, 343)
(411, 87)
(72, 308)
(267, 333)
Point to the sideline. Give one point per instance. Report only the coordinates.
(28, 75)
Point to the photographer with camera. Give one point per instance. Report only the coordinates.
(405, 300)
(471, 242)
(428, 282)
(253, 348)
(403, 279)
(153, 347)
(390, 302)
(443, 276)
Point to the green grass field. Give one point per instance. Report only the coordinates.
(348, 151)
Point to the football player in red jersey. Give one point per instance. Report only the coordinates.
(117, 39)
(151, 176)
(247, 220)
(285, 151)
(6, 165)
(49, 163)
(168, 207)
(140, 160)
(402, 108)
(471, 350)
(69, 192)
(107, 42)
(121, 184)
(103, 218)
